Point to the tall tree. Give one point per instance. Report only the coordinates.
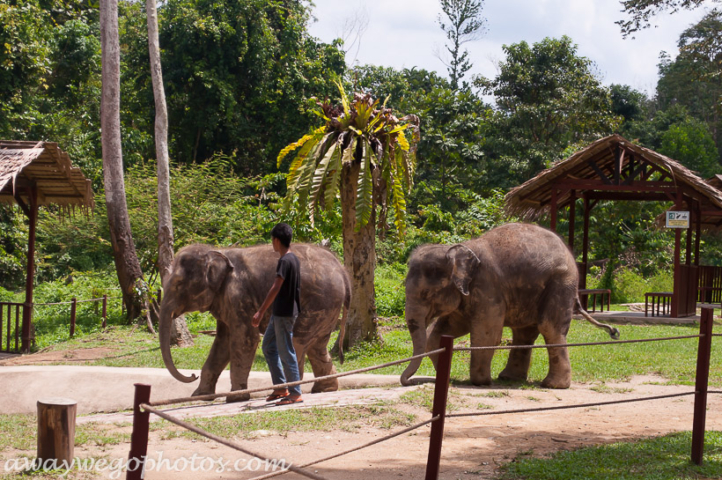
(463, 24)
(641, 11)
(127, 266)
(548, 99)
(180, 335)
(362, 153)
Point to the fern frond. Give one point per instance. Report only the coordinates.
(320, 175)
(333, 183)
(291, 147)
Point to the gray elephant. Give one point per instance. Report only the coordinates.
(517, 275)
(232, 283)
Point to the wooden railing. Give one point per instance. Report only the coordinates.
(8, 310)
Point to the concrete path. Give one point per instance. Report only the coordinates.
(110, 389)
(363, 396)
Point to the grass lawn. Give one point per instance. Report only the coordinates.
(660, 458)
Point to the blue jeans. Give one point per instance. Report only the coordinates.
(279, 352)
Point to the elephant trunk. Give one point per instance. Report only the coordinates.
(416, 322)
(166, 318)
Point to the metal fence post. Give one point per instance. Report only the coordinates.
(139, 437)
(441, 390)
(105, 311)
(700, 396)
(73, 310)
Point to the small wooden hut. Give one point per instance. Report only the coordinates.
(614, 168)
(34, 174)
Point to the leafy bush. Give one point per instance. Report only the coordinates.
(628, 286)
(390, 290)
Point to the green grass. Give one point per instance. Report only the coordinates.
(660, 458)
(20, 433)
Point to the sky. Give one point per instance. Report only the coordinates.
(405, 34)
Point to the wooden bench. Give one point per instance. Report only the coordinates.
(585, 292)
(660, 299)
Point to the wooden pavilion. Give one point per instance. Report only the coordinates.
(33, 174)
(614, 168)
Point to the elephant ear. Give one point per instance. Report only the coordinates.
(217, 268)
(463, 263)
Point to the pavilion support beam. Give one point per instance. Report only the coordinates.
(572, 215)
(585, 249)
(553, 207)
(30, 279)
(677, 289)
(697, 233)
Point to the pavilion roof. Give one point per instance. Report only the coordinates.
(533, 198)
(48, 167)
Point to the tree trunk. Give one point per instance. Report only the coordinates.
(127, 266)
(180, 335)
(359, 253)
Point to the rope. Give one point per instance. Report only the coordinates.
(70, 303)
(355, 449)
(223, 441)
(566, 407)
(612, 342)
(213, 396)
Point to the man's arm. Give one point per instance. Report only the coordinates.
(268, 301)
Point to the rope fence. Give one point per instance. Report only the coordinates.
(236, 393)
(143, 407)
(585, 344)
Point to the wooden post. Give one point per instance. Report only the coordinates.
(553, 206)
(701, 382)
(441, 391)
(56, 429)
(698, 231)
(139, 437)
(30, 279)
(572, 214)
(105, 311)
(73, 310)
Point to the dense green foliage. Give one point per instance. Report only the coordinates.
(241, 78)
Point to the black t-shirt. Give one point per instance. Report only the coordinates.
(288, 300)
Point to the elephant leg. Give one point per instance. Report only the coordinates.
(243, 343)
(322, 365)
(453, 325)
(300, 356)
(216, 362)
(554, 328)
(517, 367)
(486, 330)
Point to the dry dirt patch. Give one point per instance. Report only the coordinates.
(474, 447)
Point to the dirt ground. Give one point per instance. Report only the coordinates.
(474, 447)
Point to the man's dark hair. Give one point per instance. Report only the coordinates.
(284, 233)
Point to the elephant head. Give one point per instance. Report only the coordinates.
(197, 275)
(438, 277)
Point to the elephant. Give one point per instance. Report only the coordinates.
(232, 283)
(517, 275)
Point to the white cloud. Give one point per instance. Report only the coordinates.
(403, 34)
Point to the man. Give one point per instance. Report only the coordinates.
(278, 339)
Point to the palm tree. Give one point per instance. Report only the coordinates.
(361, 154)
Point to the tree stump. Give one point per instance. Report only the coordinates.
(56, 428)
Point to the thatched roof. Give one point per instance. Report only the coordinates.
(533, 198)
(47, 167)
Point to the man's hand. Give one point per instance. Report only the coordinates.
(257, 318)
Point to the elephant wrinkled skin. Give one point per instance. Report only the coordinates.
(517, 275)
(231, 284)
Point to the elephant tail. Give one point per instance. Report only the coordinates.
(346, 306)
(613, 332)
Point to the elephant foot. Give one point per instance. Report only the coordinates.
(560, 382)
(479, 380)
(203, 391)
(325, 386)
(512, 375)
(241, 397)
